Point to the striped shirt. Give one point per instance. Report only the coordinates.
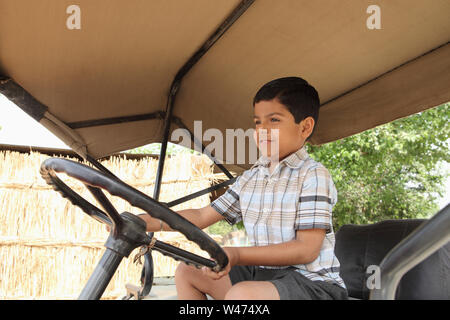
(298, 195)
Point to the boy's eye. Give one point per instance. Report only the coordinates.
(274, 120)
(257, 122)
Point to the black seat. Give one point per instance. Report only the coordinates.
(360, 246)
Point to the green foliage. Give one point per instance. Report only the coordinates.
(391, 171)
(221, 228)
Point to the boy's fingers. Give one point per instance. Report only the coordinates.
(213, 275)
(208, 272)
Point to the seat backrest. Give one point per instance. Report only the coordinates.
(360, 246)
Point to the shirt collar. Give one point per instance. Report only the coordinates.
(294, 160)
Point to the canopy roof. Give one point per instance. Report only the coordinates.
(130, 55)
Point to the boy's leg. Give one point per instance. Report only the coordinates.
(192, 284)
(253, 290)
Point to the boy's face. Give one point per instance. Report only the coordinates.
(276, 133)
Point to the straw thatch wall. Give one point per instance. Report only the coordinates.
(49, 248)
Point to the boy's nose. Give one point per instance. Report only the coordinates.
(263, 133)
(266, 131)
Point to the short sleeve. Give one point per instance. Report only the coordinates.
(228, 204)
(316, 201)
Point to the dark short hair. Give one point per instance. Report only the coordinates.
(296, 94)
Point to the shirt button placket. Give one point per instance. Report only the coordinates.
(268, 195)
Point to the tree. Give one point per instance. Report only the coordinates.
(391, 171)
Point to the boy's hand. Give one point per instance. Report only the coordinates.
(233, 259)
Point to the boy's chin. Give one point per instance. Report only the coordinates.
(269, 151)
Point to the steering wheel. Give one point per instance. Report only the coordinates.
(96, 180)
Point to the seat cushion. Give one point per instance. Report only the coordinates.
(360, 246)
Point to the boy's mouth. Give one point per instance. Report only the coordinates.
(264, 138)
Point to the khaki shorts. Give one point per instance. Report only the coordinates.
(291, 285)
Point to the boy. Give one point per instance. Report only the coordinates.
(285, 201)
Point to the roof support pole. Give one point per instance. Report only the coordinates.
(237, 12)
(176, 83)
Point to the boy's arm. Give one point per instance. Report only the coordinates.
(304, 249)
(202, 218)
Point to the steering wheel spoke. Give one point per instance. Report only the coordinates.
(180, 255)
(111, 212)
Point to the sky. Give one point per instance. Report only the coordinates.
(20, 129)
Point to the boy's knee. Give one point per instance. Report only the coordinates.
(184, 272)
(240, 291)
(253, 290)
(181, 270)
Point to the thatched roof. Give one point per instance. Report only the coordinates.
(49, 248)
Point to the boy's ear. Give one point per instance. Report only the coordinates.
(307, 126)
